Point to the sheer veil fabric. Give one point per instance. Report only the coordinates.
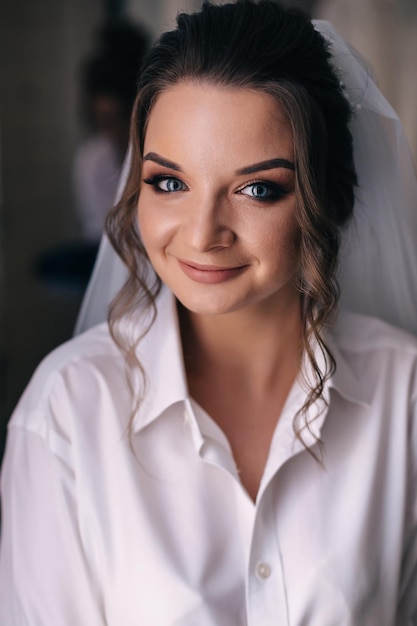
(108, 275)
(378, 265)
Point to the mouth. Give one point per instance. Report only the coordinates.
(210, 274)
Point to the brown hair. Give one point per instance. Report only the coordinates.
(275, 50)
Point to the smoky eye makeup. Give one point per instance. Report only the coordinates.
(264, 191)
(165, 183)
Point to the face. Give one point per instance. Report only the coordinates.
(217, 199)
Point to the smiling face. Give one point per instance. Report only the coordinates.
(217, 199)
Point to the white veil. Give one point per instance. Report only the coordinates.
(378, 268)
(108, 275)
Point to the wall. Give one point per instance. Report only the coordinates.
(41, 45)
(385, 33)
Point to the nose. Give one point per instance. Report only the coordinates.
(210, 224)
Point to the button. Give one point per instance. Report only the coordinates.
(263, 570)
(188, 418)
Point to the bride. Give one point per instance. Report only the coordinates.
(229, 449)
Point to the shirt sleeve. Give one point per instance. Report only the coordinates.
(45, 578)
(407, 613)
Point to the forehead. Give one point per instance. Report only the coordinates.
(208, 120)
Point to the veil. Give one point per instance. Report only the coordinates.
(108, 276)
(378, 261)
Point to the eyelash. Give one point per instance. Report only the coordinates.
(158, 178)
(276, 192)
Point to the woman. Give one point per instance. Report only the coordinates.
(228, 451)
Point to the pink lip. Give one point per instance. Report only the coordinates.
(209, 274)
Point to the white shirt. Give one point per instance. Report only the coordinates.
(158, 530)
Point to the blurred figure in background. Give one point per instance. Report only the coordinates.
(108, 83)
(109, 79)
(308, 6)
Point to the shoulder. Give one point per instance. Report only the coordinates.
(377, 353)
(69, 378)
(90, 350)
(362, 333)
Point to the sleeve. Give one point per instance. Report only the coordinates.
(44, 574)
(407, 609)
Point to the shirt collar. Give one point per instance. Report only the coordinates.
(160, 353)
(344, 380)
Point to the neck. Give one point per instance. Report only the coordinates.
(252, 347)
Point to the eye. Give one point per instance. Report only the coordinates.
(263, 191)
(165, 184)
(170, 184)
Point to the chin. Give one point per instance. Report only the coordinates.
(206, 308)
(207, 304)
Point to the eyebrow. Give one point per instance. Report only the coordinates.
(156, 158)
(266, 165)
(250, 169)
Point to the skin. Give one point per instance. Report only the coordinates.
(224, 238)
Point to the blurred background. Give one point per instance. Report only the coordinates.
(66, 70)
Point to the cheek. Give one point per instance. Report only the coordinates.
(278, 243)
(291, 238)
(154, 227)
(147, 227)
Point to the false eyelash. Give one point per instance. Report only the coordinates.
(276, 191)
(156, 178)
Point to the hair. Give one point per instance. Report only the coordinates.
(277, 51)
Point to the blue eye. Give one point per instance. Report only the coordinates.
(260, 191)
(165, 184)
(263, 191)
(170, 185)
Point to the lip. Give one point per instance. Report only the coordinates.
(209, 274)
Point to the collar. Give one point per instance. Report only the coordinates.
(340, 338)
(343, 381)
(160, 353)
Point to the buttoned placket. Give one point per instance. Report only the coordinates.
(266, 596)
(266, 599)
(266, 593)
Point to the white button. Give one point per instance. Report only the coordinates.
(188, 419)
(263, 570)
